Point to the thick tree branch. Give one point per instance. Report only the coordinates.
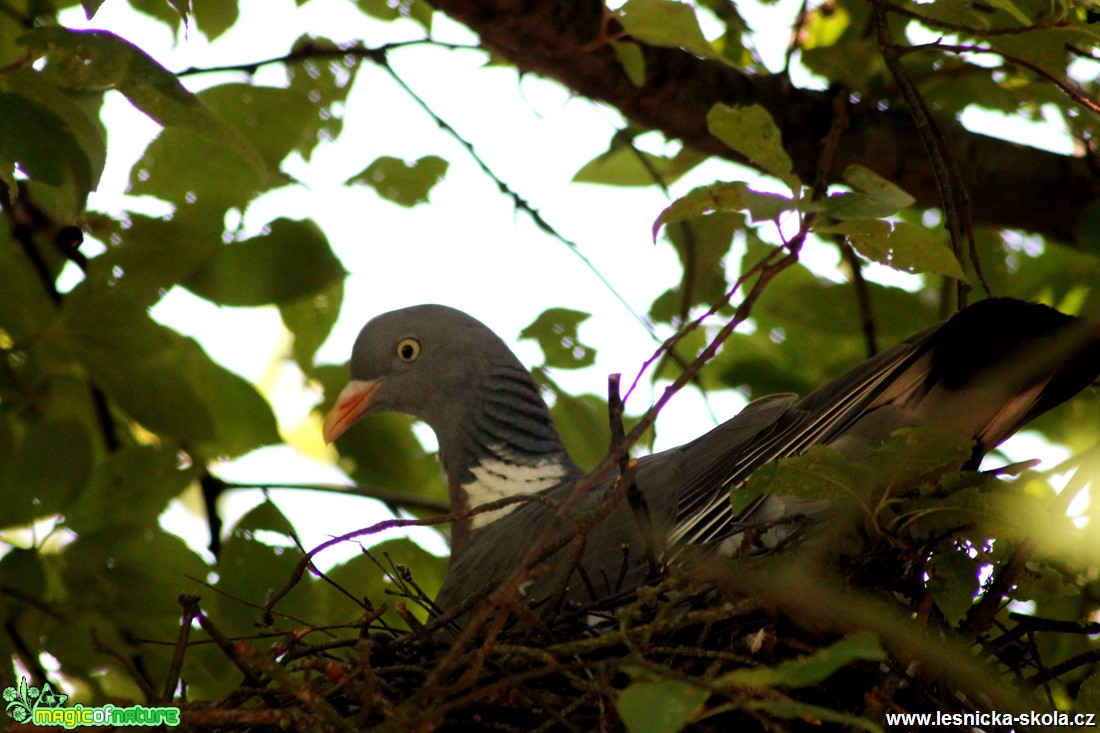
(1020, 187)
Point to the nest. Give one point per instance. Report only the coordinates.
(772, 643)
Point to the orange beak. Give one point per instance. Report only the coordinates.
(352, 403)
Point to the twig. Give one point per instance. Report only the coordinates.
(1070, 89)
(386, 496)
(863, 298)
(953, 195)
(634, 497)
(190, 604)
(980, 617)
(971, 30)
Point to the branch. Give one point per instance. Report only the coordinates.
(1021, 187)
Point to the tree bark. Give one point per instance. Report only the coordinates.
(1010, 185)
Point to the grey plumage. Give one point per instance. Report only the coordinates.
(984, 373)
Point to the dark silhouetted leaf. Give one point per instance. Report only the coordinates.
(292, 260)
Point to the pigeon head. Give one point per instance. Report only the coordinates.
(426, 361)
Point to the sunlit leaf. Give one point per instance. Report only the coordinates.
(403, 183)
(751, 131)
(901, 246)
(214, 17)
(625, 165)
(630, 56)
(875, 197)
(733, 196)
(555, 330)
(665, 23)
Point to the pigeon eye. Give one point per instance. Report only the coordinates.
(408, 350)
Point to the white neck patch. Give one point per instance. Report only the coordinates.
(495, 479)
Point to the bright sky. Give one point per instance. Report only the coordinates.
(468, 248)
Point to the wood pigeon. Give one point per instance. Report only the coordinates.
(984, 373)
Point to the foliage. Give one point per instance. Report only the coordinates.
(106, 415)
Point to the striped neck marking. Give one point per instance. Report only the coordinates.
(495, 479)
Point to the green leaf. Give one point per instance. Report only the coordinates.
(147, 258)
(902, 246)
(292, 260)
(98, 60)
(953, 582)
(160, 10)
(90, 7)
(820, 473)
(734, 196)
(110, 571)
(361, 577)
(875, 197)
(665, 23)
(215, 17)
(281, 120)
(380, 9)
(36, 139)
(189, 171)
(555, 330)
(403, 183)
(389, 11)
(809, 669)
(130, 490)
(25, 309)
(50, 466)
(257, 557)
(752, 132)
(183, 7)
(914, 453)
(663, 706)
(311, 319)
(625, 165)
(165, 381)
(856, 63)
(1012, 9)
(582, 423)
(22, 576)
(74, 127)
(702, 245)
(631, 59)
(1088, 694)
(744, 496)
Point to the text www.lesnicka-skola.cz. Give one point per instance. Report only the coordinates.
(1023, 720)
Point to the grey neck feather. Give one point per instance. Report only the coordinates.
(505, 444)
